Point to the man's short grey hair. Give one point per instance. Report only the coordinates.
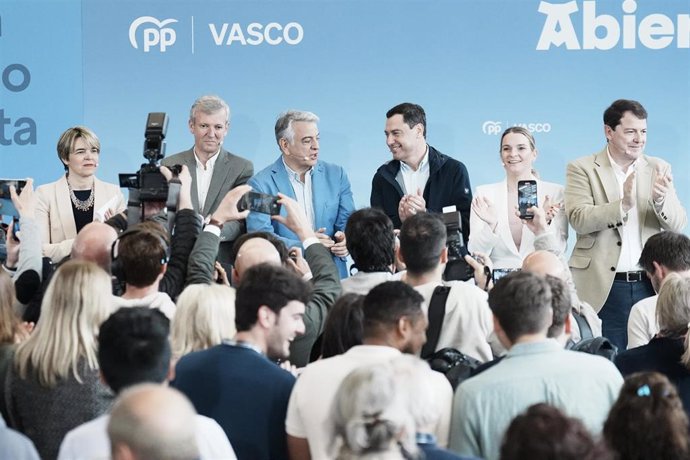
(209, 104)
(163, 429)
(284, 129)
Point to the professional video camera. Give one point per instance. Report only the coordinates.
(456, 267)
(148, 186)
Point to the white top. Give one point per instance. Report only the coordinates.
(468, 323)
(89, 441)
(313, 394)
(361, 282)
(159, 300)
(630, 230)
(642, 324)
(499, 245)
(411, 180)
(303, 191)
(203, 177)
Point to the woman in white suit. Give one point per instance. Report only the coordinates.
(64, 207)
(495, 228)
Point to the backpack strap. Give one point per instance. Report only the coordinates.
(583, 325)
(436, 312)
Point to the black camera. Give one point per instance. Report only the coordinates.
(456, 267)
(148, 181)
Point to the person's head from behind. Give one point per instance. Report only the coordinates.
(209, 121)
(415, 378)
(370, 415)
(142, 257)
(133, 347)
(423, 243)
(78, 150)
(663, 253)
(93, 243)
(393, 316)
(647, 420)
(521, 304)
(543, 432)
(10, 326)
(205, 316)
(269, 304)
(518, 151)
(544, 263)
(271, 237)
(75, 304)
(370, 240)
(251, 252)
(152, 422)
(673, 305)
(561, 305)
(406, 132)
(343, 329)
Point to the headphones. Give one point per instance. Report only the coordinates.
(116, 266)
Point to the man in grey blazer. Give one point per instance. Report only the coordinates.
(214, 170)
(615, 200)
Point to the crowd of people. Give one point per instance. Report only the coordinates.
(316, 331)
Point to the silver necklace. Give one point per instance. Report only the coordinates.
(81, 205)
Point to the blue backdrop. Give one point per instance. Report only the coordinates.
(476, 66)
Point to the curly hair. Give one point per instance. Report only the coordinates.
(648, 420)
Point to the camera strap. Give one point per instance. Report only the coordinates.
(436, 312)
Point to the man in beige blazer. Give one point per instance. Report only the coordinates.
(615, 200)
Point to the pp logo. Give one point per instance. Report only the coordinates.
(159, 36)
(491, 127)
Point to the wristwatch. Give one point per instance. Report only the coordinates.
(211, 221)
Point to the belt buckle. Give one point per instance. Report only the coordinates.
(633, 277)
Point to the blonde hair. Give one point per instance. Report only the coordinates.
(9, 322)
(69, 137)
(77, 301)
(205, 316)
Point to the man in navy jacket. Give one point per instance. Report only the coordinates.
(419, 177)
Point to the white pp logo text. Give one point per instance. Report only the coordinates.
(158, 36)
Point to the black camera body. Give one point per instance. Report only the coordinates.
(149, 181)
(456, 267)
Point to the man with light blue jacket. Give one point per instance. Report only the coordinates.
(321, 189)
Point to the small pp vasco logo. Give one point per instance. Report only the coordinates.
(494, 128)
(491, 127)
(158, 36)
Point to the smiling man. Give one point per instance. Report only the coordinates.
(321, 189)
(214, 170)
(419, 177)
(235, 383)
(615, 200)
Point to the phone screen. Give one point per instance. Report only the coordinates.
(259, 202)
(498, 273)
(6, 205)
(527, 197)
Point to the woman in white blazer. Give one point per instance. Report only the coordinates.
(77, 198)
(495, 228)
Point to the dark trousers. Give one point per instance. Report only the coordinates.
(614, 314)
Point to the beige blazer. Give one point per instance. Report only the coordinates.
(593, 206)
(56, 219)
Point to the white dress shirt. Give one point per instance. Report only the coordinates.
(303, 191)
(203, 177)
(411, 180)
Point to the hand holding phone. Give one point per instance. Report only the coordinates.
(259, 202)
(527, 197)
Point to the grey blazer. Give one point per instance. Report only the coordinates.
(229, 172)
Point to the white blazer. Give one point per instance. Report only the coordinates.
(499, 245)
(56, 219)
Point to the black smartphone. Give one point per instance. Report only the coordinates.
(527, 197)
(15, 228)
(259, 202)
(6, 205)
(498, 273)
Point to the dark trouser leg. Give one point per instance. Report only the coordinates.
(614, 314)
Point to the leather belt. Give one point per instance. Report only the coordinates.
(630, 277)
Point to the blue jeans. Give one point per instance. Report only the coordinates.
(614, 314)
